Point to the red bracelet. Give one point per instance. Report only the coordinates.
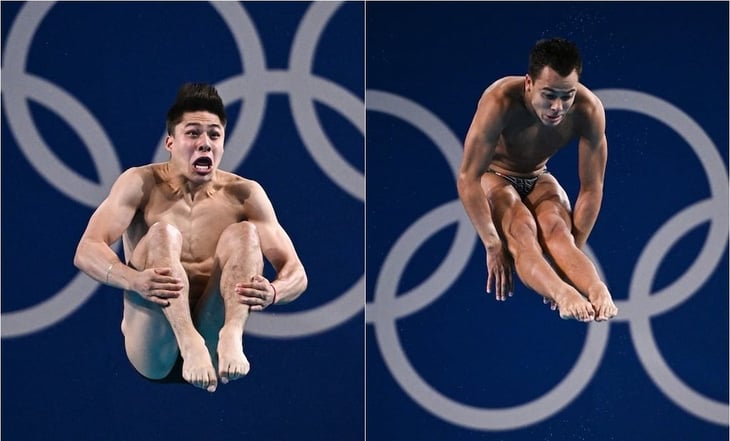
(274, 288)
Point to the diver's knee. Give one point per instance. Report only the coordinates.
(242, 231)
(554, 229)
(163, 230)
(238, 237)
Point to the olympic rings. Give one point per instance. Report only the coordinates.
(388, 305)
(304, 88)
(254, 86)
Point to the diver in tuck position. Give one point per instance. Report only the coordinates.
(194, 242)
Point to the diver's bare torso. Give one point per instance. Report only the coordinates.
(525, 144)
(200, 217)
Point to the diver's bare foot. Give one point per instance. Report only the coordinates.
(232, 363)
(197, 367)
(547, 301)
(602, 303)
(572, 305)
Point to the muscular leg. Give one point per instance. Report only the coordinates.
(222, 317)
(153, 335)
(517, 226)
(552, 211)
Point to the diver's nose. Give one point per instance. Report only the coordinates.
(204, 146)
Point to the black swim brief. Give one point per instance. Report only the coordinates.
(523, 185)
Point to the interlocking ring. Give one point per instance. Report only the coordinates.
(254, 86)
(388, 305)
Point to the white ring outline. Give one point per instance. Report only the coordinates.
(645, 304)
(386, 307)
(81, 287)
(297, 324)
(383, 315)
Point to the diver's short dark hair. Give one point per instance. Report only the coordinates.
(192, 97)
(558, 53)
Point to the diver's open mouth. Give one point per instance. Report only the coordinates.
(203, 165)
(554, 118)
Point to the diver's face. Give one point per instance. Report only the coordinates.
(550, 95)
(196, 147)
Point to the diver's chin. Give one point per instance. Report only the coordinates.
(552, 121)
(201, 177)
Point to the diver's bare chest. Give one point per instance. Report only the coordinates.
(535, 141)
(193, 218)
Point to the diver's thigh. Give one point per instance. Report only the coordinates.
(148, 338)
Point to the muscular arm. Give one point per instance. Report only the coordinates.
(479, 147)
(291, 279)
(481, 140)
(94, 255)
(111, 219)
(592, 151)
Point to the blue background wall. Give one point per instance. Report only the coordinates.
(97, 79)
(444, 360)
